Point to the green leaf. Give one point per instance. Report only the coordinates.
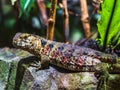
(109, 24)
(25, 6)
(118, 43)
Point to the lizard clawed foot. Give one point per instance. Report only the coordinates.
(43, 63)
(40, 66)
(102, 84)
(37, 65)
(102, 74)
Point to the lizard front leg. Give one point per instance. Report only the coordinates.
(42, 63)
(45, 61)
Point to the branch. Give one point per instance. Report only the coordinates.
(51, 21)
(85, 18)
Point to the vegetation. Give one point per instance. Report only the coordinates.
(64, 21)
(32, 16)
(109, 24)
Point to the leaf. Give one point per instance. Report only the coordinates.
(109, 24)
(48, 5)
(118, 43)
(116, 37)
(25, 6)
(13, 1)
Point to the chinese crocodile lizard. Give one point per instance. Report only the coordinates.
(68, 56)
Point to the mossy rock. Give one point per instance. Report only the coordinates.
(17, 73)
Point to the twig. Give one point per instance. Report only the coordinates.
(85, 18)
(96, 5)
(51, 21)
(42, 9)
(65, 20)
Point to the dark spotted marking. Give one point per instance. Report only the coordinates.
(61, 48)
(51, 46)
(43, 43)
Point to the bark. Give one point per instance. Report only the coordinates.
(51, 21)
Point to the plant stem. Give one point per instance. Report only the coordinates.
(65, 20)
(85, 18)
(42, 9)
(51, 20)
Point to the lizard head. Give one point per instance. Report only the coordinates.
(26, 41)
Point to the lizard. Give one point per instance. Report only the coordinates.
(67, 56)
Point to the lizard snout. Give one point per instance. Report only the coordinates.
(16, 36)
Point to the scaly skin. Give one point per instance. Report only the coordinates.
(67, 56)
